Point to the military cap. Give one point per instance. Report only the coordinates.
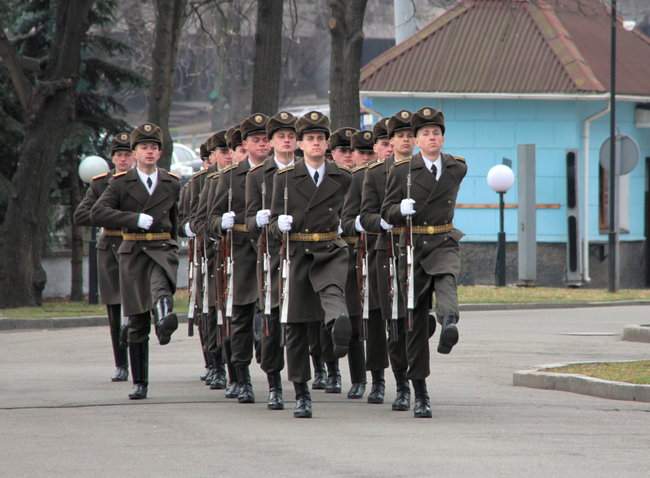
(255, 123)
(380, 130)
(427, 117)
(121, 142)
(281, 120)
(204, 154)
(233, 137)
(398, 122)
(363, 141)
(217, 140)
(146, 133)
(341, 138)
(314, 121)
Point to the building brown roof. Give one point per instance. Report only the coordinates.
(514, 46)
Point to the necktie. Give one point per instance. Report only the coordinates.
(316, 178)
(434, 171)
(150, 183)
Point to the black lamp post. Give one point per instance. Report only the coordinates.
(501, 178)
(613, 173)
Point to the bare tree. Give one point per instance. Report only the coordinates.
(268, 57)
(346, 33)
(170, 16)
(47, 100)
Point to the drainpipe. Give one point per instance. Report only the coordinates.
(586, 131)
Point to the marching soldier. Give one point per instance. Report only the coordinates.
(281, 133)
(107, 258)
(143, 203)
(229, 214)
(424, 190)
(391, 135)
(339, 145)
(305, 213)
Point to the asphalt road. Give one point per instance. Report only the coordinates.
(60, 416)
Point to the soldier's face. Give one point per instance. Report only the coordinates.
(122, 160)
(403, 142)
(258, 146)
(313, 145)
(222, 157)
(147, 154)
(363, 157)
(238, 154)
(383, 149)
(343, 157)
(430, 140)
(284, 141)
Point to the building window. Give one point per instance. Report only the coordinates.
(623, 202)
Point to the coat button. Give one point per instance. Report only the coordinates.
(306, 230)
(144, 248)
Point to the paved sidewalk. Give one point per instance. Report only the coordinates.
(62, 417)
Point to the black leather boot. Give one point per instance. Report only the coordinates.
(333, 378)
(165, 319)
(320, 374)
(432, 324)
(341, 331)
(303, 401)
(211, 370)
(356, 391)
(232, 390)
(120, 352)
(219, 377)
(139, 354)
(449, 334)
(402, 401)
(246, 394)
(422, 406)
(275, 391)
(376, 394)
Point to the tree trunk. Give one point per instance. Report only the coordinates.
(268, 57)
(48, 111)
(170, 16)
(76, 243)
(346, 33)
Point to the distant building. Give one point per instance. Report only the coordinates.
(517, 72)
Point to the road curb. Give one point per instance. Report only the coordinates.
(637, 333)
(574, 383)
(541, 306)
(60, 322)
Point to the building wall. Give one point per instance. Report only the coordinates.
(485, 131)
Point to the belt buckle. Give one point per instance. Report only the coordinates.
(148, 236)
(316, 237)
(430, 229)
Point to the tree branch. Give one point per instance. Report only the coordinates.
(13, 63)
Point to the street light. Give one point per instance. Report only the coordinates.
(500, 178)
(90, 167)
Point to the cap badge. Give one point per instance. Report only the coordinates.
(426, 112)
(284, 115)
(124, 136)
(404, 114)
(348, 132)
(314, 116)
(147, 128)
(367, 135)
(258, 119)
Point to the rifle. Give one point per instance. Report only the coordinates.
(192, 286)
(285, 274)
(205, 304)
(410, 275)
(362, 282)
(393, 287)
(229, 265)
(265, 281)
(220, 280)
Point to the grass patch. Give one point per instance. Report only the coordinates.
(631, 372)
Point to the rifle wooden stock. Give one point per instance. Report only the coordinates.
(410, 276)
(191, 287)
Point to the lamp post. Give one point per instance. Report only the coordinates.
(90, 167)
(500, 178)
(613, 173)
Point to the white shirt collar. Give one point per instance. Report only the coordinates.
(281, 165)
(154, 179)
(437, 162)
(321, 172)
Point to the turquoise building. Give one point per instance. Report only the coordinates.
(508, 73)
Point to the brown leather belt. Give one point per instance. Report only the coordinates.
(112, 232)
(432, 230)
(240, 228)
(313, 237)
(146, 236)
(350, 240)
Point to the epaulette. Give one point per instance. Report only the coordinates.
(402, 161)
(376, 163)
(345, 168)
(100, 176)
(359, 168)
(119, 174)
(284, 170)
(459, 158)
(229, 168)
(256, 167)
(174, 175)
(213, 174)
(203, 171)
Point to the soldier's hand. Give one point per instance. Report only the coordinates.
(407, 207)
(357, 225)
(145, 221)
(228, 220)
(188, 230)
(385, 226)
(284, 222)
(262, 217)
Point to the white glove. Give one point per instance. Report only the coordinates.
(406, 207)
(357, 225)
(188, 230)
(262, 217)
(284, 222)
(145, 221)
(385, 226)
(340, 229)
(227, 220)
